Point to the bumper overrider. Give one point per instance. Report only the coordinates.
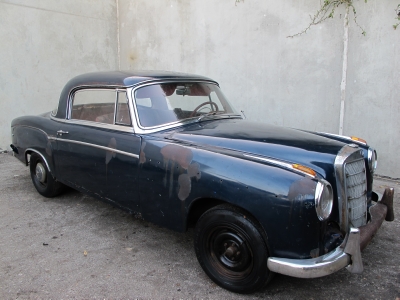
(346, 255)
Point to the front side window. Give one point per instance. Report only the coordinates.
(159, 104)
(101, 106)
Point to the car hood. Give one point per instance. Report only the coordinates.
(285, 144)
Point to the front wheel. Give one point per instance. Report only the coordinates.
(231, 250)
(43, 181)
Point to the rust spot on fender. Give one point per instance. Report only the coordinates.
(142, 155)
(185, 185)
(181, 155)
(302, 189)
(179, 159)
(110, 154)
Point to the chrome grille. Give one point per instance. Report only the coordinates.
(356, 192)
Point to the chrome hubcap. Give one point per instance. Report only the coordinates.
(40, 173)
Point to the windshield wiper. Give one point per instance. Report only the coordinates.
(213, 113)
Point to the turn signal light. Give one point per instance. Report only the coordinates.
(357, 139)
(304, 169)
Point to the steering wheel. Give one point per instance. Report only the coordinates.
(201, 105)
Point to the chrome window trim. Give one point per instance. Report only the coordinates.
(138, 128)
(86, 87)
(116, 90)
(129, 105)
(279, 163)
(98, 146)
(115, 105)
(116, 127)
(339, 165)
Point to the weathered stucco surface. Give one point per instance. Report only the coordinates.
(292, 82)
(44, 44)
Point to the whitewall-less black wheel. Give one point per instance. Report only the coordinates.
(231, 250)
(43, 181)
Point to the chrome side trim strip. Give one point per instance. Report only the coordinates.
(342, 136)
(121, 128)
(97, 146)
(278, 163)
(40, 154)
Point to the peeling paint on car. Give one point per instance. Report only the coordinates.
(142, 155)
(110, 154)
(179, 159)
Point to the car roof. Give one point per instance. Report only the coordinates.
(128, 78)
(121, 79)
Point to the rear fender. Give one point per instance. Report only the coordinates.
(28, 140)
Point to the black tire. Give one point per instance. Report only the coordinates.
(43, 181)
(231, 250)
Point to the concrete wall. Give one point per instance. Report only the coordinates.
(45, 43)
(292, 82)
(285, 81)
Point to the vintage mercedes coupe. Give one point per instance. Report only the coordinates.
(170, 148)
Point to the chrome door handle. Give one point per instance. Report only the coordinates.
(60, 132)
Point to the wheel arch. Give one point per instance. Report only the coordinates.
(201, 205)
(29, 151)
(198, 207)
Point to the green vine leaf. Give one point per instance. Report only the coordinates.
(327, 11)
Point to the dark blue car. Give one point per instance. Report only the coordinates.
(171, 149)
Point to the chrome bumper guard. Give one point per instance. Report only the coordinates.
(347, 255)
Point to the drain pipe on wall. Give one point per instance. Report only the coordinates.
(344, 69)
(118, 44)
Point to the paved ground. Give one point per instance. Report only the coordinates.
(44, 241)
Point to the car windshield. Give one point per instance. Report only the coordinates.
(159, 104)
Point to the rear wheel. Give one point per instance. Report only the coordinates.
(231, 250)
(43, 181)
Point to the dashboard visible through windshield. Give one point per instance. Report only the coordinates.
(159, 104)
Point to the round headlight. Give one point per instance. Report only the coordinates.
(323, 199)
(372, 159)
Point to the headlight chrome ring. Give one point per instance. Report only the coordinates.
(372, 160)
(323, 199)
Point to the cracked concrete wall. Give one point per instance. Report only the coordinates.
(292, 82)
(43, 44)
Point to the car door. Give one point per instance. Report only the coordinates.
(97, 150)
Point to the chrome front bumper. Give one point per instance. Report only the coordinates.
(347, 255)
